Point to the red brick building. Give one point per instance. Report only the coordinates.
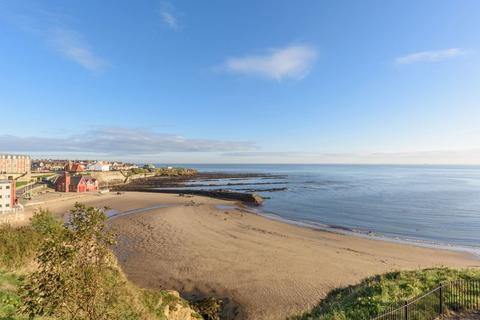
(78, 183)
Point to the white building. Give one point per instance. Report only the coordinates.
(7, 195)
(99, 166)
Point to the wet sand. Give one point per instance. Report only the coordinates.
(268, 269)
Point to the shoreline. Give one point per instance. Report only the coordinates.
(367, 234)
(246, 206)
(266, 269)
(475, 251)
(211, 183)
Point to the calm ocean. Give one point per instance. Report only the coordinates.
(428, 204)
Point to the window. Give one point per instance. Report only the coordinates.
(7, 205)
(7, 187)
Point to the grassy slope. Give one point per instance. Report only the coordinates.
(17, 252)
(9, 299)
(142, 304)
(373, 295)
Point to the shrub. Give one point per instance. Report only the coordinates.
(17, 246)
(9, 299)
(77, 269)
(76, 277)
(44, 223)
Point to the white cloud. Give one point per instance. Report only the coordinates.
(72, 45)
(120, 141)
(292, 62)
(465, 156)
(52, 28)
(168, 17)
(430, 56)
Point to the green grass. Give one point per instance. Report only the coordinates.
(44, 176)
(17, 246)
(138, 303)
(374, 295)
(19, 184)
(9, 298)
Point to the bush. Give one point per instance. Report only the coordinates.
(44, 223)
(76, 267)
(209, 308)
(17, 246)
(9, 298)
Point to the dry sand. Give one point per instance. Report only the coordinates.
(267, 268)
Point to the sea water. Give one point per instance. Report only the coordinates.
(428, 204)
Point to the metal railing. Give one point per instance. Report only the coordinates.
(453, 296)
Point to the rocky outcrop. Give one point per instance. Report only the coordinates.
(247, 198)
(175, 308)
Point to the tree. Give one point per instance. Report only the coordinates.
(77, 276)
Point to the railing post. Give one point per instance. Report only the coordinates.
(441, 300)
(406, 310)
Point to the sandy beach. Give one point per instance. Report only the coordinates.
(268, 269)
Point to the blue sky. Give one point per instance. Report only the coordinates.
(242, 81)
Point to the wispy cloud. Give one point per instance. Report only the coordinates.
(120, 141)
(465, 156)
(430, 56)
(166, 12)
(54, 29)
(292, 62)
(73, 46)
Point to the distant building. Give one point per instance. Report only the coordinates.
(149, 166)
(77, 183)
(49, 165)
(99, 166)
(15, 164)
(37, 165)
(7, 195)
(74, 167)
(120, 166)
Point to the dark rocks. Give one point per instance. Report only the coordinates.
(247, 198)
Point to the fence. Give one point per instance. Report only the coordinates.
(454, 296)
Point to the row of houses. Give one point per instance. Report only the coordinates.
(80, 165)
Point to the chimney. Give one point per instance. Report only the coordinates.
(66, 175)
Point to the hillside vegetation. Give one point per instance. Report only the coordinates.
(375, 294)
(52, 271)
